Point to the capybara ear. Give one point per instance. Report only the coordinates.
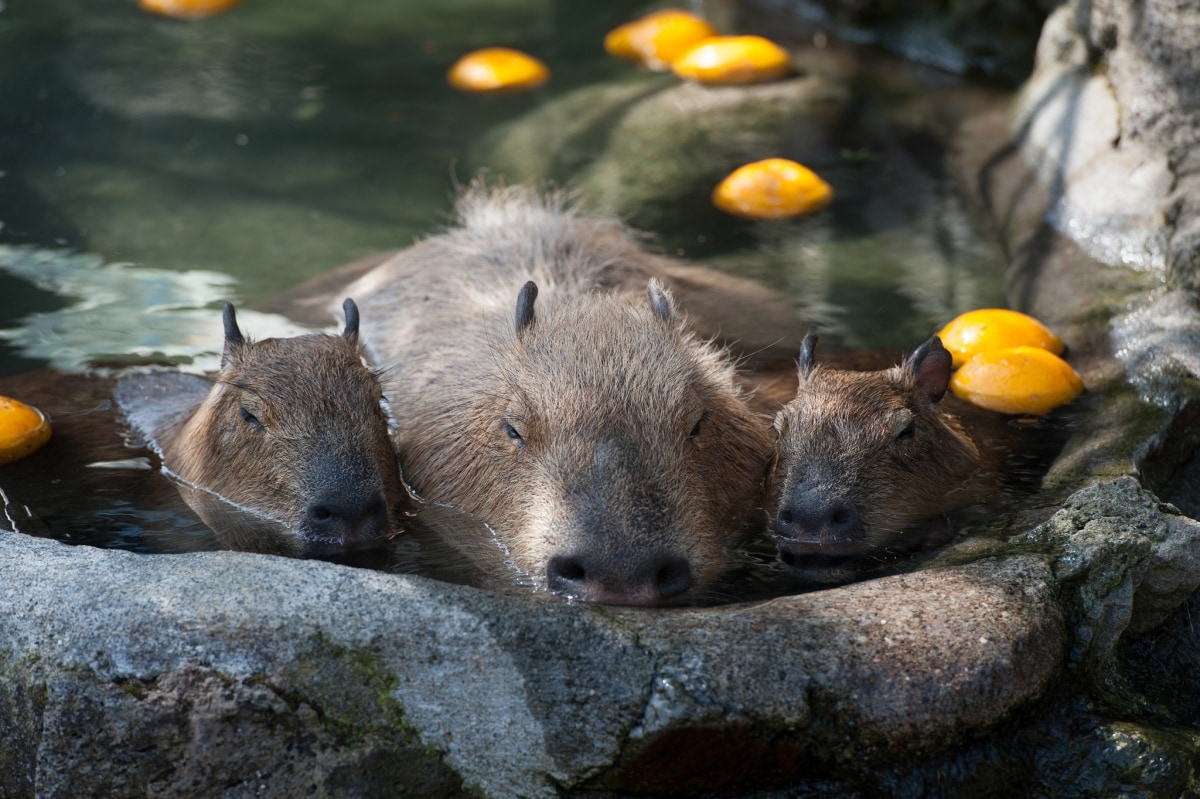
(351, 310)
(661, 301)
(525, 298)
(234, 340)
(929, 369)
(808, 355)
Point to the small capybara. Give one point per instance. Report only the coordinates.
(289, 450)
(872, 463)
(558, 403)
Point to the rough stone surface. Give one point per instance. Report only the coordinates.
(275, 677)
(1086, 198)
(344, 677)
(1127, 562)
(1109, 122)
(1068, 118)
(1158, 340)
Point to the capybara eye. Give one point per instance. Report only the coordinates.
(512, 433)
(908, 432)
(696, 430)
(251, 419)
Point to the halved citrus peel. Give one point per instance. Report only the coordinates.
(1018, 380)
(987, 329)
(733, 61)
(657, 39)
(1008, 362)
(774, 188)
(187, 9)
(23, 429)
(497, 70)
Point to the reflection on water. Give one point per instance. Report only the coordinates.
(88, 484)
(270, 143)
(245, 529)
(894, 283)
(274, 142)
(122, 313)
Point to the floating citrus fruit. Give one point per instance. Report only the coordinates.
(497, 70)
(658, 39)
(1017, 380)
(993, 329)
(187, 9)
(729, 60)
(22, 429)
(772, 189)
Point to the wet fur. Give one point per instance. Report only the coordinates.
(885, 448)
(588, 417)
(288, 422)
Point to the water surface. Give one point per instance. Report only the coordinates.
(151, 169)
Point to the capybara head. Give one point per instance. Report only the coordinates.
(864, 459)
(610, 451)
(294, 430)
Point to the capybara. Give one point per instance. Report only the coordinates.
(289, 450)
(871, 463)
(557, 402)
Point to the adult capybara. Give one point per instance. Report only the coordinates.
(556, 401)
(872, 463)
(288, 449)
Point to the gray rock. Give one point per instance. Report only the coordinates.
(1113, 542)
(353, 680)
(1108, 122)
(1085, 194)
(1158, 341)
(1107, 192)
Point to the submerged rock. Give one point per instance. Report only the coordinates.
(650, 151)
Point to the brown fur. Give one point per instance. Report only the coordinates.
(607, 448)
(872, 462)
(292, 429)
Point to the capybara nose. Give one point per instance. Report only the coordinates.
(817, 522)
(347, 521)
(657, 579)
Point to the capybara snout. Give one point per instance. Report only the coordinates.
(349, 507)
(809, 516)
(614, 535)
(650, 580)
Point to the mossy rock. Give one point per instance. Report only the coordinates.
(651, 150)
